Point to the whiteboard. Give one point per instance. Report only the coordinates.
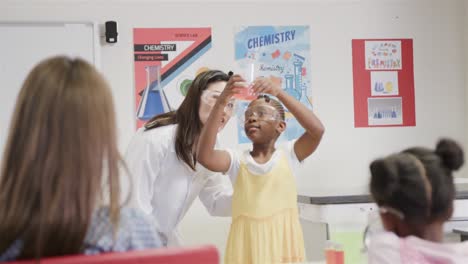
(23, 45)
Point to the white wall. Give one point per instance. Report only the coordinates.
(340, 164)
(465, 48)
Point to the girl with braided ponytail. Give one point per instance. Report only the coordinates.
(265, 224)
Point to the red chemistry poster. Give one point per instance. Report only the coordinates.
(160, 55)
(383, 80)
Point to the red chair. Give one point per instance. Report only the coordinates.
(195, 255)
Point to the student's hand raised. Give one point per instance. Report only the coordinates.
(266, 85)
(235, 83)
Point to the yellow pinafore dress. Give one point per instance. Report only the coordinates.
(265, 226)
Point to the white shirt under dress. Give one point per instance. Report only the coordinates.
(260, 169)
(166, 187)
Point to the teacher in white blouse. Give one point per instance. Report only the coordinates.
(162, 159)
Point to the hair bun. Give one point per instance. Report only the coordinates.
(384, 177)
(451, 154)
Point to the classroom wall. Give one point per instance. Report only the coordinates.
(465, 26)
(339, 166)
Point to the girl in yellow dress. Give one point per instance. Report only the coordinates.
(265, 224)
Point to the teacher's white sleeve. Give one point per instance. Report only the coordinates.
(144, 159)
(216, 195)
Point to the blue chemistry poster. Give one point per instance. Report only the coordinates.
(282, 54)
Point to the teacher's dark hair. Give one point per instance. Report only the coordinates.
(187, 117)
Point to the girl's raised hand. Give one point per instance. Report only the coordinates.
(266, 85)
(235, 83)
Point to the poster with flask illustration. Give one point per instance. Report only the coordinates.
(385, 111)
(281, 53)
(163, 57)
(383, 82)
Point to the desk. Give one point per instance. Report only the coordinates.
(462, 232)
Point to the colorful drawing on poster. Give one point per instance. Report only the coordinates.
(282, 54)
(385, 111)
(184, 81)
(384, 83)
(383, 55)
(161, 56)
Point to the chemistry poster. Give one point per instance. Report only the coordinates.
(280, 53)
(383, 79)
(161, 56)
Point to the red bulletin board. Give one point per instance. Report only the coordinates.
(383, 79)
